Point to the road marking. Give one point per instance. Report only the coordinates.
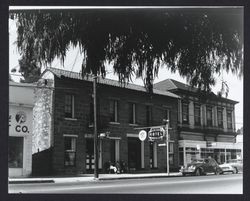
(114, 185)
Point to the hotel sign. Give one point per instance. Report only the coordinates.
(156, 133)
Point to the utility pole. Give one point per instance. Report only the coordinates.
(167, 144)
(95, 130)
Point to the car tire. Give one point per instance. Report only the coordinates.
(235, 170)
(198, 172)
(216, 172)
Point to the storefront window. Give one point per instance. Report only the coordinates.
(15, 159)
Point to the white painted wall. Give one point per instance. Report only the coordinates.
(21, 98)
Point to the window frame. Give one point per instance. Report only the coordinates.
(209, 121)
(197, 107)
(231, 118)
(72, 150)
(168, 117)
(220, 110)
(171, 147)
(149, 115)
(134, 120)
(187, 112)
(71, 114)
(115, 110)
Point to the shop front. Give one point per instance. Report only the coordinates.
(20, 141)
(21, 104)
(221, 151)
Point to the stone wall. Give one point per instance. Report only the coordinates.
(42, 112)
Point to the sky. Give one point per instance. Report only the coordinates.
(74, 59)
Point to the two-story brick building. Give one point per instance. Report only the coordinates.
(206, 124)
(63, 128)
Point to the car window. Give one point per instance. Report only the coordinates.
(232, 161)
(213, 162)
(197, 161)
(235, 161)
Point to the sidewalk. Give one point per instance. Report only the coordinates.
(90, 178)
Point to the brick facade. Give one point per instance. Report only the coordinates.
(79, 125)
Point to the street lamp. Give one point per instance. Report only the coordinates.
(167, 143)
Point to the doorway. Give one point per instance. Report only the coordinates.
(134, 153)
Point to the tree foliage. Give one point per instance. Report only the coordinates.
(197, 42)
(29, 69)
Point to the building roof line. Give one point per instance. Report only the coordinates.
(74, 75)
(173, 85)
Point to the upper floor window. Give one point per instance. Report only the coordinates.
(209, 116)
(229, 119)
(171, 147)
(149, 115)
(69, 151)
(185, 112)
(69, 106)
(114, 110)
(197, 114)
(220, 117)
(168, 116)
(132, 113)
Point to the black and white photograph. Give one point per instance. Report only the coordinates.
(125, 100)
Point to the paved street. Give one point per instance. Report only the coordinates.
(211, 184)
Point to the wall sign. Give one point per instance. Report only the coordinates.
(20, 121)
(142, 135)
(156, 133)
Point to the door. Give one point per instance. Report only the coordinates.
(90, 155)
(134, 153)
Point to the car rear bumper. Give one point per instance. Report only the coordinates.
(187, 171)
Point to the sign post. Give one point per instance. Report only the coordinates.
(167, 145)
(95, 131)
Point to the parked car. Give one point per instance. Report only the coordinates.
(201, 167)
(235, 164)
(228, 168)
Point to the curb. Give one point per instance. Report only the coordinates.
(99, 179)
(139, 177)
(31, 181)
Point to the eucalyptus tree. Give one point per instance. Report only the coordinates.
(198, 43)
